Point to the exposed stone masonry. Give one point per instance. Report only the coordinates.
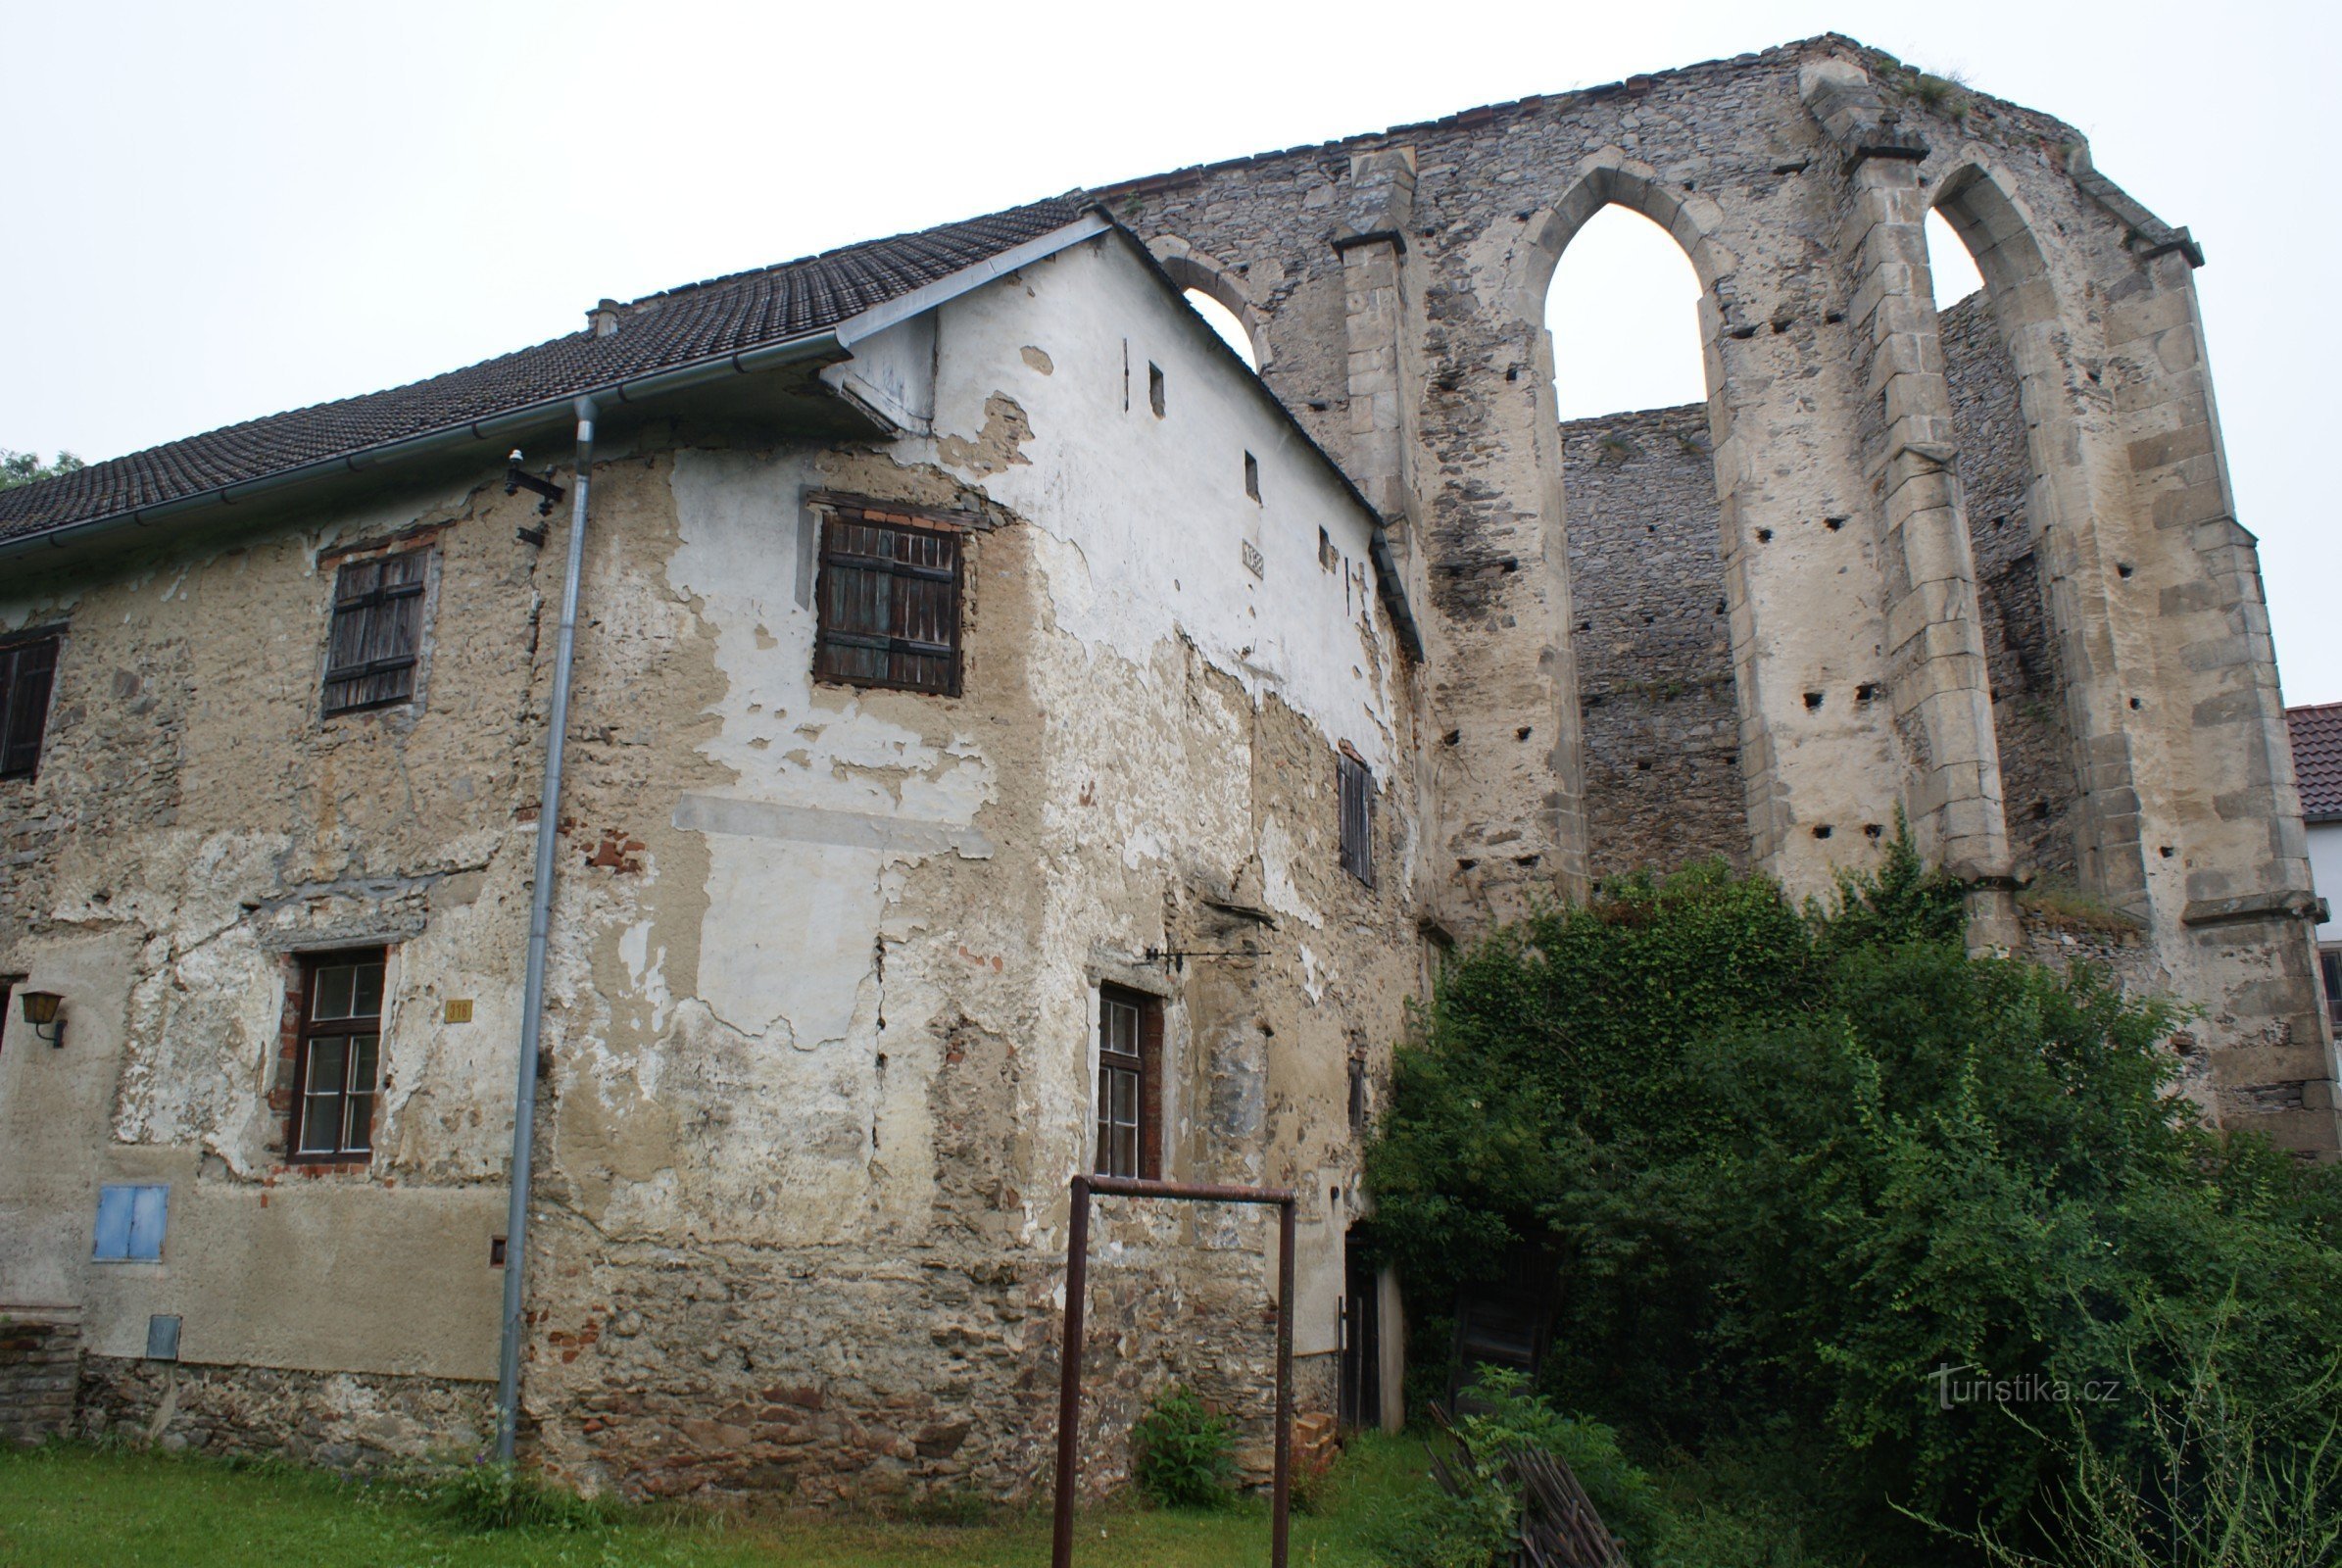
(1655, 696)
(343, 1420)
(2036, 750)
(40, 1361)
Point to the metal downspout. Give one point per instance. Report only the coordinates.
(532, 1000)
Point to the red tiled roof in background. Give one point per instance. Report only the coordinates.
(2317, 733)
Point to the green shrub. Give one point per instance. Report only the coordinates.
(1182, 1455)
(1793, 1161)
(2220, 1483)
(1475, 1522)
(501, 1497)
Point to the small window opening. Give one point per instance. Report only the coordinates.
(1813, 701)
(1327, 555)
(376, 639)
(27, 671)
(1253, 479)
(131, 1224)
(1154, 388)
(1130, 1050)
(337, 1066)
(1823, 831)
(889, 604)
(1356, 785)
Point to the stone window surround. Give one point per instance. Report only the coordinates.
(12, 643)
(294, 965)
(329, 561)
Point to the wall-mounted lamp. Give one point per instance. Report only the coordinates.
(41, 1010)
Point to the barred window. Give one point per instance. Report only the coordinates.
(377, 632)
(1357, 817)
(27, 671)
(889, 604)
(338, 1069)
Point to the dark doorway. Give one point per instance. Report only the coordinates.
(1361, 1340)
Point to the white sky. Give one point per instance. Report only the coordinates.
(219, 210)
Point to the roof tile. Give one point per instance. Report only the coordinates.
(2317, 733)
(657, 332)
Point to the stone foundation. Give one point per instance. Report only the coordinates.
(39, 1365)
(339, 1420)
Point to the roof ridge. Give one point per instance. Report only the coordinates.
(693, 323)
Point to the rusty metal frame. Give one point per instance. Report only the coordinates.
(1069, 1382)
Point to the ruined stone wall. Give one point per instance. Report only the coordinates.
(2028, 716)
(1655, 698)
(1395, 282)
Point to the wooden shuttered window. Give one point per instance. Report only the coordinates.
(27, 671)
(1130, 1093)
(1357, 817)
(888, 602)
(377, 631)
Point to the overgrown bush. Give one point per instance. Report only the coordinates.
(1182, 1455)
(2219, 1483)
(1476, 1524)
(1792, 1164)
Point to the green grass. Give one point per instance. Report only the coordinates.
(65, 1506)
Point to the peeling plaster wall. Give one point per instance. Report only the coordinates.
(821, 997)
(194, 826)
(828, 1024)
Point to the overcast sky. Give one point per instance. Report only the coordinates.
(218, 211)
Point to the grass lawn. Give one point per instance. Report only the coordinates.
(66, 1506)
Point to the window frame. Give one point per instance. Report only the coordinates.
(15, 680)
(1143, 1064)
(2329, 982)
(310, 1029)
(416, 591)
(834, 516)
(1353, 789)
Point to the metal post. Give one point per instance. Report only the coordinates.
(1069, 1376)
(1279, 1514)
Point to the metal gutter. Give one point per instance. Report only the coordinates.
(532, 989)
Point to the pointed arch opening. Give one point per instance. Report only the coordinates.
(1992, 298)
(1218, 294)
(1628, 276)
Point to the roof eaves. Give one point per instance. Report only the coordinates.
(671, 379)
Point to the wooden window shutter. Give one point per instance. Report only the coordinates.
(889, 604)
(376, 639)
(1357, 817)
(26, 673)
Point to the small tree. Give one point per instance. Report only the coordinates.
(25, 467)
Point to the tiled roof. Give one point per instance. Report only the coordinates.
(2318, 758)
(659, 332)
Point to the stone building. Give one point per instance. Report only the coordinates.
(868, 930)
(1229, 742)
